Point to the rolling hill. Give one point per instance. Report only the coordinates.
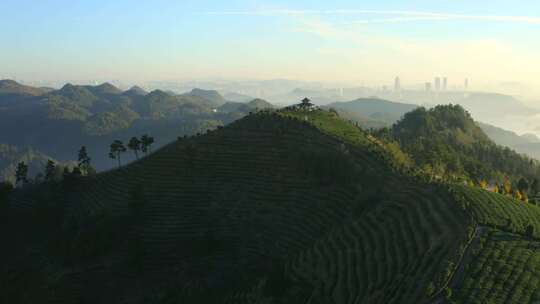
(372, 112)
(10, 156)
(380, 113)
(268, 209)
(12, 88)
(285, 206)
(527, 143)
(448, 142)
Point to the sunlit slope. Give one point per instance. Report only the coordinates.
(498, 210)
(275, 208)
(502, 263)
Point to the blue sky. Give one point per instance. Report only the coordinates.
(350, 41)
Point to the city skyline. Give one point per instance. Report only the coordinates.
(340, 41)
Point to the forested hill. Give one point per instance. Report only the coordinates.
(278, 207)
(446, 141)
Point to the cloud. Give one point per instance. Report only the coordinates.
(402, 16)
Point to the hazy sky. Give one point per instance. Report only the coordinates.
(354, 41)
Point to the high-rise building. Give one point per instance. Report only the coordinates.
(437, 83)
(397, 84)
(445, 84)
(466, 85)
(428, 86)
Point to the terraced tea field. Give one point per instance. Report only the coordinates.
(273, 208)
(506, 269)
(497, 210)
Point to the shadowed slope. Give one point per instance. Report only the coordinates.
(269, 209)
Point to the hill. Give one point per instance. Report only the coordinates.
(527, 144)
(13, 88)
(10, 156)
(240, 109)
(135, 91)
(211, 95)
(237, 97)
(274, 208)
(372, 112)
(446, 141)
(507, 138)
(379, 113)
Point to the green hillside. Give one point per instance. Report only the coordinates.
(10, 88)
(286, 206)
(506, 269)
(269, 209)
(448, 143)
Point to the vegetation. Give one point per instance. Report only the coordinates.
(446, 142)
(505, 270)
(21, 175)
(117, 148)
(289, 206)
(253, 212)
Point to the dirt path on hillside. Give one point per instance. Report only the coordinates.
(459, 274)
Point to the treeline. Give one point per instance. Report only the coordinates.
(144, 145)
(54, 172)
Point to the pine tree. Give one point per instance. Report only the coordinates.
(135, 145)
(523, 185)
(146, 143)
(21, 174)
(117, 148)
(84, 161)
(50, 169)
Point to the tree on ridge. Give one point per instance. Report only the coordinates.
(84, 161)
(146, 143)
(135, 145)
(50, 169)
(117, 148)
(21, 174)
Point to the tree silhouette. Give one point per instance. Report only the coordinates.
(146, 143)
(84, 161)
(135, 145)
(117, 148)
(21, 174)
(50, 169)
(523, 185)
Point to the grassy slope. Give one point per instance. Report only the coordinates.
(268, 209)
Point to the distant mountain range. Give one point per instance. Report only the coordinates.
(527, 143)
(372, 112)
(56, 123)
